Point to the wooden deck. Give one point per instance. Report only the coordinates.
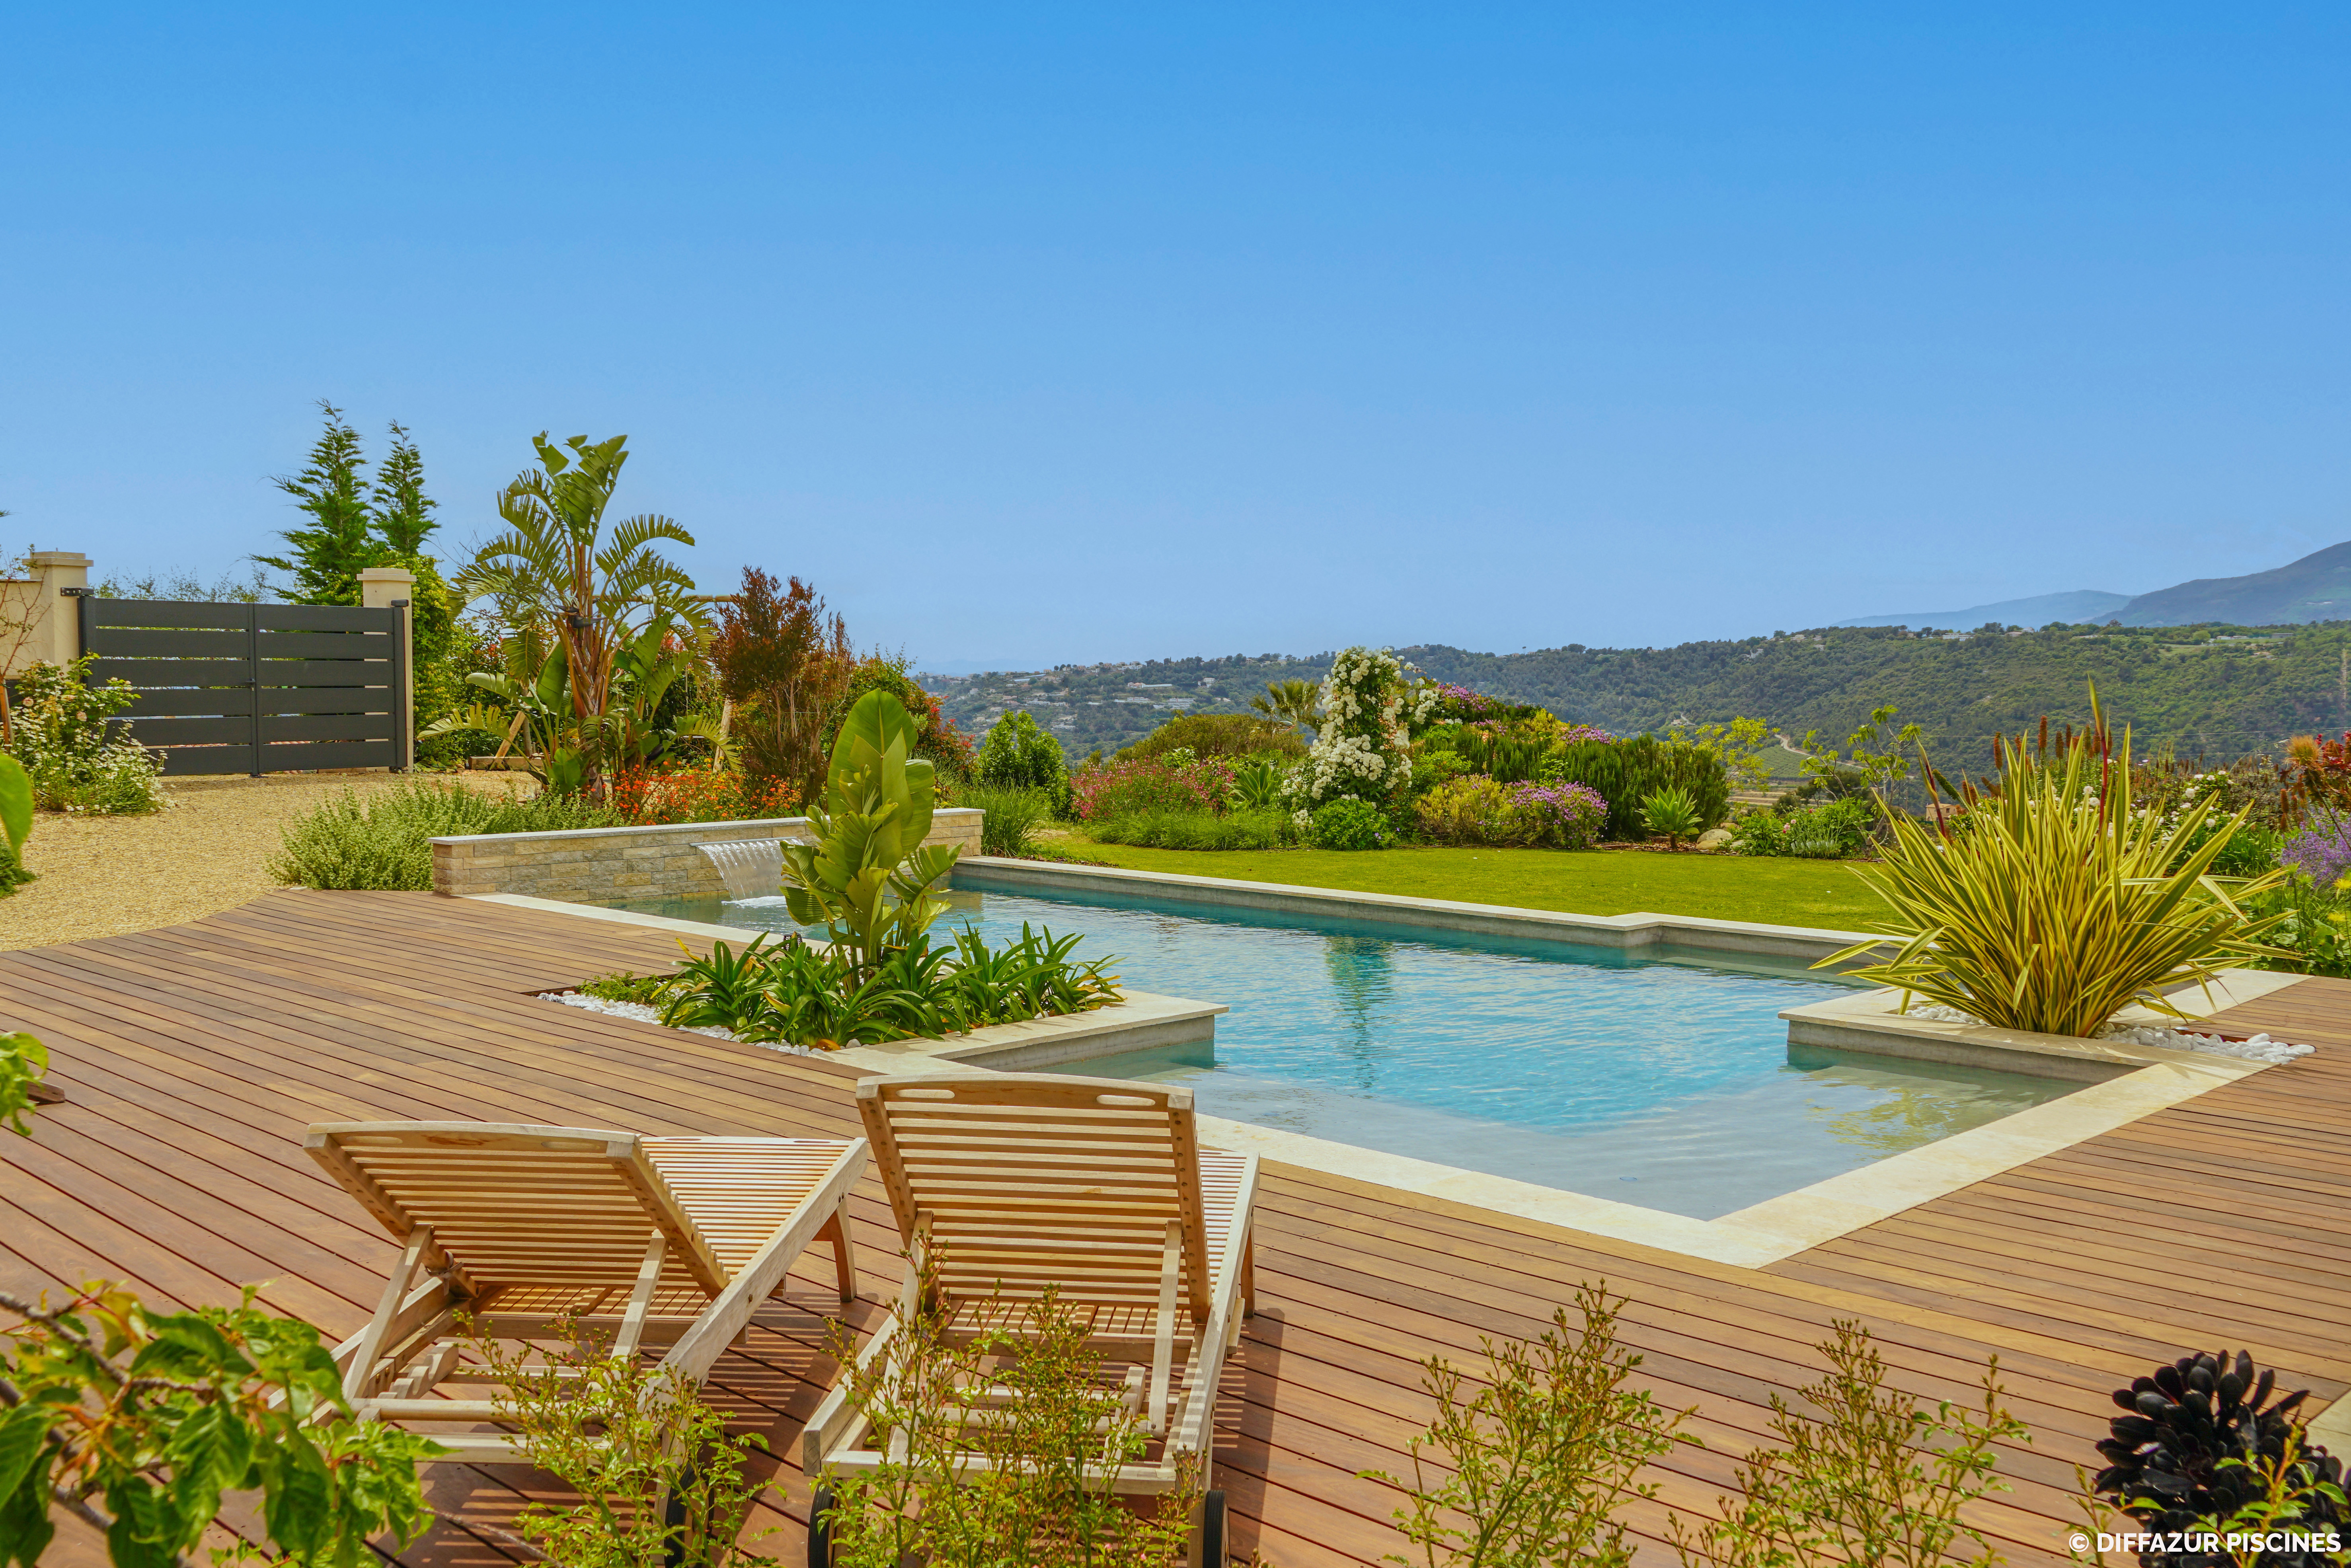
(193, 1056)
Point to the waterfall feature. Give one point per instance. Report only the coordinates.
(751, 868)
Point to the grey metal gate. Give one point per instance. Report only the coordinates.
(256, 688)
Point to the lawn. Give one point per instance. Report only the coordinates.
(1714, 886)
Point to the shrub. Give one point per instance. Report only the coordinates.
(1542, 1453)
(1011, 815)
(2199, 1448)
(1472, 810)
(784, 663)
(2322, 852)
(1348, 824)
(74, 750)
(2055, 903)
(1018, 754)
(1670, 814)
(1836, 830)
(621, 986)
(1257, 786)
(1872, 1481)
(1143, 785)
(384, 844)
(1361, 750)
(2314, 937)
(1243, 830)
(936, 739)
(1626, 772)
(1561, 816)
(645, 796)
(1219, 735)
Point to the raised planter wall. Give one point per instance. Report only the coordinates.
(603, 865)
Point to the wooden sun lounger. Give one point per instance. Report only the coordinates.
(1005, 1184)
(672, 1242)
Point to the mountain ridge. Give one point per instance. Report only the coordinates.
(2315, 587)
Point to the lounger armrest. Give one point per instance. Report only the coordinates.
(690, 1359)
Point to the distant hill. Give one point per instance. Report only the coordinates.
(2315, 587)
(2213, 690)
(2082, 604)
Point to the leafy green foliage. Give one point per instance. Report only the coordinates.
(622, 986)
(2055, 903)
(936, 739)
(1257, 786)
(660, 1482)
(15, 822)
(71, 748)
(383, 842)
(1862, 1477)
(1248, 829)
(1294, 702)
(1833, 829)
(326, 555)
(1627, 772)
(599, 619)
(1220, 735)
(1540, 1447)
(869, 878)
(1018, 753)
(158, 1416)
(1013, 813)
(1670, 814)
(2314, 936)
(1028, 1399)
(23, 1063)
(783, 662)
(1348, 824)
(796, 993)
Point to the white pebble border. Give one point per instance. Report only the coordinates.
(2260, 1047)
(637, 1010)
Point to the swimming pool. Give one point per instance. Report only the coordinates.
(1662, 1081)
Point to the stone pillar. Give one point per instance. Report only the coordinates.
(57, 620)
(388, 588)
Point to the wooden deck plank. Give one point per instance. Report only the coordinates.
(194, 1055)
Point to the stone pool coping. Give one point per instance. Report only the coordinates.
(1629, 932)
(2139, 1082)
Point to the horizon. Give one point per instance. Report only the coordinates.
(1052, 340)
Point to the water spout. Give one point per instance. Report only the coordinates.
(751, 868)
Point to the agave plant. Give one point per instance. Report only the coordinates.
(2056, 902)
(1257, 786)
(868, 879)
(2200, 1447)
(1671, 814)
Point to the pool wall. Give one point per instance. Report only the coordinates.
(592, 866)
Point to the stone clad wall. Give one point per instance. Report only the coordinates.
(608, 865)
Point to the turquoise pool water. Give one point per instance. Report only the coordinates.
(1663, 1083)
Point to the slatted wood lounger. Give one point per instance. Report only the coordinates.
(1015, 1182)
(670, 1241)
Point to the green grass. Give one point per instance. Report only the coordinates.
(1715, 887)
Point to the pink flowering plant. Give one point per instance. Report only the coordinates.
(1563, 816)
(1475, 810)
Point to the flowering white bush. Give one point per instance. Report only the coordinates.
(1362, 748)
(77, 759)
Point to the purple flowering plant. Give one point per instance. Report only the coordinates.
(2321, 851)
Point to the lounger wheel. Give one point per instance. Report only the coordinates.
(821, 1529)
(1212, 1552)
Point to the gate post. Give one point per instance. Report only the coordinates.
(56, 617)
(394, 588)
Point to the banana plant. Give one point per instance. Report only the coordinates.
(868, 877)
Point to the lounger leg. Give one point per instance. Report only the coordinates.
(359, 1378)
(1163, 1349)
(844, 1256)
(632, 1322)
(1248, 1274)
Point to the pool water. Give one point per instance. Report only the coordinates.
(1666, 1082)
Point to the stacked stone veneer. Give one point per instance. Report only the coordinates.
(607, 865)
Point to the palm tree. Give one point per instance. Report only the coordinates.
(561, 583)
(1292, 702)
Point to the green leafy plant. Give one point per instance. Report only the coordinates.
(660, 1481)
(1018, 753)
(73, 750)
(23, 1064)
(1025, 1397)
(1671, 814)
(1738, 745)
(621, 986)
(384, 842)
(1832, 830)
(1230, 736)
(782, 662)
(1012, 816)
(15, 822)
(159, 1414)
(2056, 902)
(1862, 1477)
(1240, 829)
(868, 878)
(1627, 771)
(1293, 702)
(1540, 1447)
(1257, 786)
(1348, 824)
(580, 599)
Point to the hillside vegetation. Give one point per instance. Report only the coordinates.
(2216, 690)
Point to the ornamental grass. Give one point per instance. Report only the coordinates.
(2054, 903)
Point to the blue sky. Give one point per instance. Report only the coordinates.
(1040, 334)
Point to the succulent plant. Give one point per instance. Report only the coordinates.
(2168, 1459)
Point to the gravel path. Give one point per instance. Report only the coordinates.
(208, 851)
